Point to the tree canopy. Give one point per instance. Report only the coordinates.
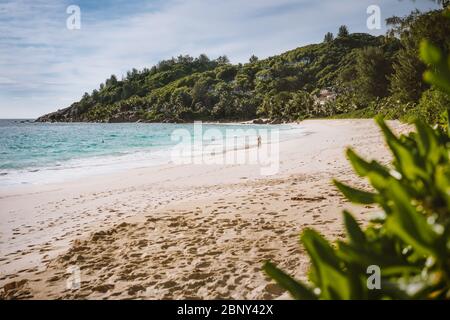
(354, 71)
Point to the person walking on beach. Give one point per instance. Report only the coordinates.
(259, 141)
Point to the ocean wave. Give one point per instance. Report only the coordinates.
(44, 167)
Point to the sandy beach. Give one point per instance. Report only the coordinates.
(182, 231)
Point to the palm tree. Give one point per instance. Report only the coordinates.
(343, 31)
(328, 37)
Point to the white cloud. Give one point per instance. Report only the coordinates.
(44, 64)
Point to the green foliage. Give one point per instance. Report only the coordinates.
(410, 243)
(365, 75)
(285, 105)
(443, 3)
(253, 59)
(373, 69)
(328, 37)
(439, 75)
(343, 31)
(102, 113)
(431, 108)
(435, 105)
(218, 90)
(406, 82)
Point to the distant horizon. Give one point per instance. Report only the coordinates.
(18, 118)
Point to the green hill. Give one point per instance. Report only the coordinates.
(356, 69)
(187, 88)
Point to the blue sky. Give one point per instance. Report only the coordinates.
(44, 66)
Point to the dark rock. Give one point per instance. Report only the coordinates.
(14, 285)
(128, 116)
(261, 121)
(135, 289)
(103, 288)
(274, 289)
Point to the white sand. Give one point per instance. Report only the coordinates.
(186, 231)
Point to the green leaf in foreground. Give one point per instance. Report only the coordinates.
(354, 232)
(410, 245)
(355, 195)
(439, 74)
(295, 288)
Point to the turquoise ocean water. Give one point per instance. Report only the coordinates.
(33, 153)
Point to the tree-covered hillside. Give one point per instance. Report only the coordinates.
(344, 75)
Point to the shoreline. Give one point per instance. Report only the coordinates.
(257, 121)
(182, 231)
(104, 164)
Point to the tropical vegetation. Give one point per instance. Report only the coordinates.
(350, 75)
(407, 247)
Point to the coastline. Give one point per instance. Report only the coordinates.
(115, 156)
(182, 231)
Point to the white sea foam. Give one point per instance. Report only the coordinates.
(116, 162)
(77, 168)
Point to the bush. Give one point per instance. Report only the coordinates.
(410, 243)
(388, 107)
(431, 108)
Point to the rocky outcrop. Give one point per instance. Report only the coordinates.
(266, 121)
(129, 116)
(260, 121)
(73, 114)
(62, 115)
